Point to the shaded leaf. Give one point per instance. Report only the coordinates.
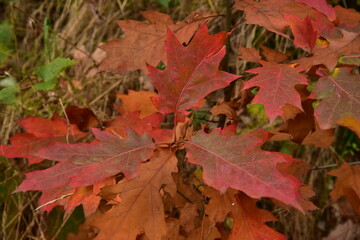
(347, 184)
(84, 118)
(340, 94)
(272, 55)
(250, 54)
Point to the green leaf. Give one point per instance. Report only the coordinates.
(6, 41)
(8, 95)
(49, 72)
(164, 3)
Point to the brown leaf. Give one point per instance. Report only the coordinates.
(84, 118)
(250, 54)
(320, 137)
(347, 184)
(249, 221)
(272, 55)
(144, 43)
(141, 209)
(300, 125)
(220, 205)
(207, 231)
(224, 108)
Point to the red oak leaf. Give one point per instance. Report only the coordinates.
(70, 197)
(249, 221)
(40, 133)
(238, 162)
(270, 14)
(340, 94)
(144, 43)
(349, 19)
(85, 164)
(191, 72)
(266, 13)
(329, 55)
(304, 33)
(277, 87)
(321, 6)
(141, 209)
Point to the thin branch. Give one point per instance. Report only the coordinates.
(331, 166)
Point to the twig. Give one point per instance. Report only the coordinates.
(331, 166)
(105, 92)
(68, 123)
(52, 201)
